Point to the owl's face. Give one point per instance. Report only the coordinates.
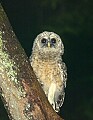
(48, 44)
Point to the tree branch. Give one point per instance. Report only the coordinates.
(20, 91)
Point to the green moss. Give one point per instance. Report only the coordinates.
(10, 67)
(0, 40)
(7, 64)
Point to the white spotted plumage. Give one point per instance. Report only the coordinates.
(51, 72)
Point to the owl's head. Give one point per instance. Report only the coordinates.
(48, 45)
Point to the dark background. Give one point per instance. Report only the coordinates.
(73, 21)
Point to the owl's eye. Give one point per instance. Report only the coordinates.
(43, 40)
(53, 40)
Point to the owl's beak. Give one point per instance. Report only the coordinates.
(48, 44)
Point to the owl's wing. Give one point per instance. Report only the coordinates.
(60, 93)
(64, 70)
(59, 99)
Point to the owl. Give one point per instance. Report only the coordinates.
(50, 70)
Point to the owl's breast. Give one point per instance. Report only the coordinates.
(47, 73)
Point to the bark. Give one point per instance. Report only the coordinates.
(20, 91)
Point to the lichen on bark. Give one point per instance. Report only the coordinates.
(20, 91)
(9, 84)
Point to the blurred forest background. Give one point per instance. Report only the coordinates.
(73, 21)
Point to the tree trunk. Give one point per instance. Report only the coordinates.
(20, 91)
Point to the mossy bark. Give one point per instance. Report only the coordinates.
(20, 91)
